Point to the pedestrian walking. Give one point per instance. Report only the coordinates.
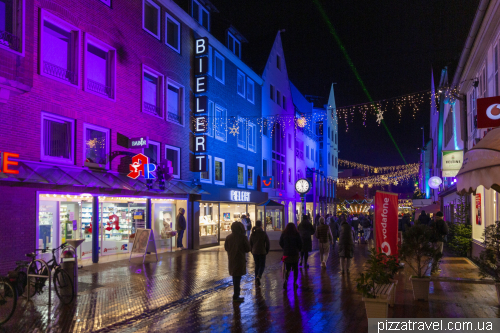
(259, 243)
(441, 230)
(346, 246)
(245, 219)
(291, 243)
(334, 229)
(355, 227)
(316, 220)
(325, 237)
(306, 230)
(180, 226)
(237, 246)
(406, 222)
(423, 218)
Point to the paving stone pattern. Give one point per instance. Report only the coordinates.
(190, 291)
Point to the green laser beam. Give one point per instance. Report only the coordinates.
(355, 71)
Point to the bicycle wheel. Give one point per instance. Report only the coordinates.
(36, 283)
(8, 301)
(63, 286)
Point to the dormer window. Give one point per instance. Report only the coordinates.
(233, 45)
(201, 15)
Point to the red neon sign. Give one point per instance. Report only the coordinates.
(4, 166)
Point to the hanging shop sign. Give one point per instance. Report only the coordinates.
(434, 182)
(240, 196)
(488, 112)
(478, 208)
(199, 144)
(6, 163)
(386, 222)
(142, 142)
(267, 182)
(452, 162)
(140, 165)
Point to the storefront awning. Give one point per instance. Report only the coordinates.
(481, 165)
(42, 173)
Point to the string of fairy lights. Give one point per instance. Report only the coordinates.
(393, 178)
(376, 169)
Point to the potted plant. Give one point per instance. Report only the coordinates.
(419, 252)
(489, 259)
(379, 269)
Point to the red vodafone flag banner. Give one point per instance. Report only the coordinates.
(386, 222)
(488, 112)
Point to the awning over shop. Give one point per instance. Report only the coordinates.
(42, 173)
(481, 165)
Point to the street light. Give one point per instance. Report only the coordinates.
(423, 138)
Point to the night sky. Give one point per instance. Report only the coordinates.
(392, 43)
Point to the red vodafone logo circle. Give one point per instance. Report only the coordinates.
(493, 111)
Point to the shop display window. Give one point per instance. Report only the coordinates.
(272, 214)
(209, 223)
(164, 213)
(230, 213)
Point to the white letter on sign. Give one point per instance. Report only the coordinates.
(200, 125)
(200, 141)
(200, 46)
(201, 85)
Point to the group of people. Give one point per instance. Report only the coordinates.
(296, 243)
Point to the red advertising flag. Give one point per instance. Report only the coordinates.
(386, 222)
(488, 112)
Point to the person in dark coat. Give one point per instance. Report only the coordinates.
(306, 230)
(236, 246)
(180, 226)
(346, 246)
(324, 236)
(259, 243)
(406, 222)
(355, 226)
(423, 219)
(291, 243)
(334, 228)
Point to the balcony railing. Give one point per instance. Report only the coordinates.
(99, 88)
(156, 110)
(59, 72)
(175, 117)
(9, 40)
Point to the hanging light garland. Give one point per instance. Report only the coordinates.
(381, 180)
(375, 169)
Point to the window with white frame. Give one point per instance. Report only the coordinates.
(206, 177)
(211, 119)
(12, 25)
(241, 175)
(153, 152)
(220, 123)
(58, 139)
(151, 18)
(173, 154)
(59, 46)
(219, 171)
(250, 90)
(152, 89)
(252, 137)
(96, 147)
(250, 177)
(233, 44)
(172, 33)
(482, 82)
(100, 60)
(175, 102)
(219, 64)
(240, 82)
(242, 133)
(201, 15)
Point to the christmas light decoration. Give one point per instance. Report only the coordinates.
(375, 169)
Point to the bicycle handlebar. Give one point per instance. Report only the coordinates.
(63, 245)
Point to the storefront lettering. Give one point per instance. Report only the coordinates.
(5, 162)
(140, 164)
(139, 142)
(240, 196)
(199, 162)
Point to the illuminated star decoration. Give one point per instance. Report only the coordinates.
(234, 130)
(379, 117)
(396, 182)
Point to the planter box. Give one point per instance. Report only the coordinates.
(420, 288)
(376, 307)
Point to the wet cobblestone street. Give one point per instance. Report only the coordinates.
(190, 291)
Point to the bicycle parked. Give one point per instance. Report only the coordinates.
(8, 299)
(61, 279)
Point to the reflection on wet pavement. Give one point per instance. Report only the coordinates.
(190, 291)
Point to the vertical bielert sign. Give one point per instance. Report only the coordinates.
(199, 160)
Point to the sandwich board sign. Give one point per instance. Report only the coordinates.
(144, 242)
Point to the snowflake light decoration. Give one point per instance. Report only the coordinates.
(379, 117)
(234, 130)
